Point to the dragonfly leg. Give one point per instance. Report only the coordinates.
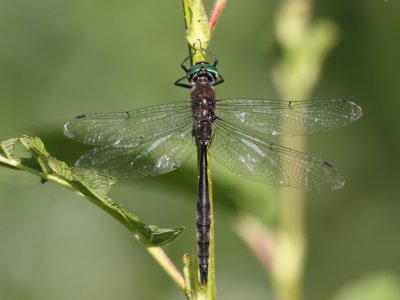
(209, 53)
(219, 80)
(183, 63)
(181, 84)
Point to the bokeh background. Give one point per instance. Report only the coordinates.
(63, 58)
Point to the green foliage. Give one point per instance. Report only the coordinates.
(376, 286)
(197, 31)
(29, 154)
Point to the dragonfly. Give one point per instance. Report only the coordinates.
(158, 139)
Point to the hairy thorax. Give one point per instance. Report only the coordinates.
(203, 108)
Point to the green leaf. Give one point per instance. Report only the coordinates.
(197, 30)
(29, 154)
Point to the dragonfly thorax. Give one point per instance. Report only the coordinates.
(203, 109)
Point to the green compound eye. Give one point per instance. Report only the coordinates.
(211, 69)
(208, 68)
(194, 69)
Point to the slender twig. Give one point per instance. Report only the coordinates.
(305, 44)
(198, 31)
(165, 262)
(216, 12)
(258, 238)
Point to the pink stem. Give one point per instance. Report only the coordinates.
(216, 12)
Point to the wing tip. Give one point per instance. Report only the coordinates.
(357, 111)
(337, 180)
(329, 178)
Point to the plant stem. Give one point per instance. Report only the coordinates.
(211, 288)
(196, 32)
(164, 261)
(216, 12)
(304, 47)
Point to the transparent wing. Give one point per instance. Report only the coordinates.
(150, 158)
(276, 117)
(130, 128)
(266, 162)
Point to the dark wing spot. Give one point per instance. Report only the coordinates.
(328, 164)
(80, 117)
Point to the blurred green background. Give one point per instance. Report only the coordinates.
(63, 58)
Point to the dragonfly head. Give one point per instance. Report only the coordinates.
(202, 71)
